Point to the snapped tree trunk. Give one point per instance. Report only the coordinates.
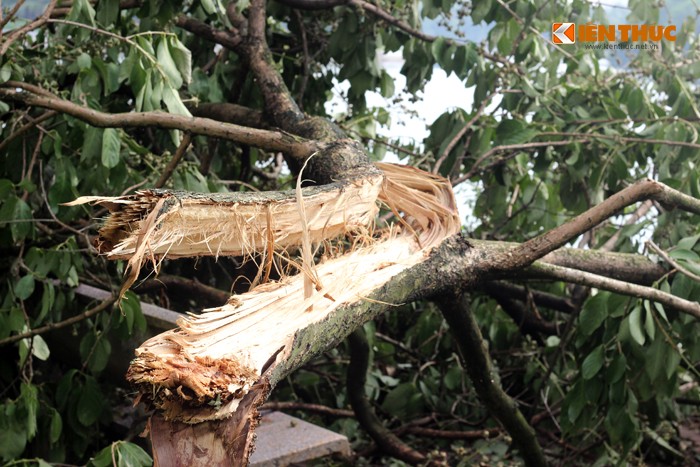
(216, 368)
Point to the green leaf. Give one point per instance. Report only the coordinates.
(174, 103)
(386, 85)
(208, 6)
(649, 325)
(131, 311)
(84, 61)
(593, 362)
(167, 64)
(14, 436)
(575, 401)
(131, 455)
(453, 377)
(40, 348)
(24, 287)
(401, 400)
(687, 243)
(19, 214)
(95, 350)
(29, 397)
(688, 255)
(6, 187)
(594, 313)
(616, 369)
(480, 10)
(104, 457)
(111, 144)
(514, 132)
(5, 72)
(56, 427)
(635, 324)
(90, 402)
(107, 12)
(47, 300)
(655, 359)
(438, 48)
(65, 386)
(182, 57)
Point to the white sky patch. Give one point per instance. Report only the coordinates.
(410, 120)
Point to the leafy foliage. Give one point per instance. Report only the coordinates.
(552, 132)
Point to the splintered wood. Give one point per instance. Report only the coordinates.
(152, 224)
(202, 370)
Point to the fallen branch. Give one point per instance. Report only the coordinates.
(485, 378)
(613, 285)
(264, 139)
(554, 239)
(452, 434)
(368, 419)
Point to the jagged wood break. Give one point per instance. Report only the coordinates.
(213, 362)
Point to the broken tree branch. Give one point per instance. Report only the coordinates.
(264, 139)
(544, 299)
(554, 239)
(368, 419)
(613, 285)
(485, 378)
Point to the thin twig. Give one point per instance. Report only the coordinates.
(61, 324)
(172, 163)
(28, 174)
(671, 261)
(306, 407)
(511, 147)
(452, 434)
(32, 123)
(453, 142)
(624, 139)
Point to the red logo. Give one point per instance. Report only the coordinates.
(563, 33)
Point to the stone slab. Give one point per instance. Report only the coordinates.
(284, 440)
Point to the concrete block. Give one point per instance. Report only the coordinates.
(284, 440)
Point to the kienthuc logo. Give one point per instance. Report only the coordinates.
(566, 33)
(563, 33)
